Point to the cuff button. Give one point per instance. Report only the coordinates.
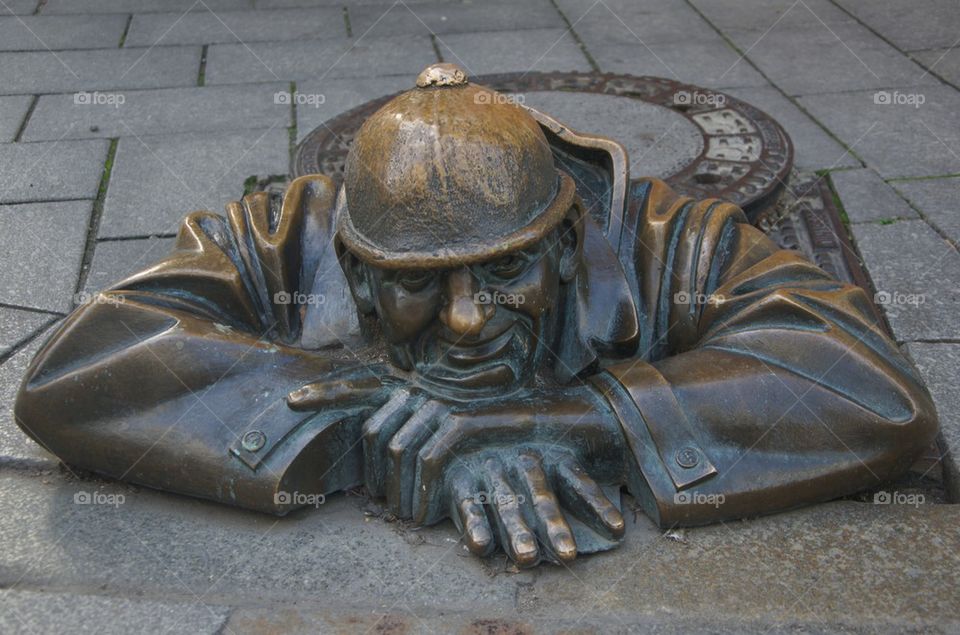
(253, 440)
(688, 457)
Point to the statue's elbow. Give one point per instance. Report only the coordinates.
(914, 433)
(28, 410)
(924, 425)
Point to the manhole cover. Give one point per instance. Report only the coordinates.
(660, 141)
(703, 143)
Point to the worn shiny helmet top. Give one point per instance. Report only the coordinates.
(449, 173)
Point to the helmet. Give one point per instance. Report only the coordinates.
(447, 174)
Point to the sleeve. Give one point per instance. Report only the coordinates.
(176, 377)
(766, 384)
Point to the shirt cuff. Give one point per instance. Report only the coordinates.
(668, 457)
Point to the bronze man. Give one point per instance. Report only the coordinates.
(525, 332)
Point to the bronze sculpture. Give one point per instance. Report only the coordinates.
(524, 333)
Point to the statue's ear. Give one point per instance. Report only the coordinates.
(571, 242)
(358, 278)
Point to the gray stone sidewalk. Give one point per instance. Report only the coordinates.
(117, 117)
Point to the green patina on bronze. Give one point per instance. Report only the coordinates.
(489, 322)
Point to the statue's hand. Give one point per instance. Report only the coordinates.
(430, 459)
(513, 499)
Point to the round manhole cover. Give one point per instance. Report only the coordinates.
(704, 143)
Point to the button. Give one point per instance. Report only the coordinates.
(253, 441)
(688, 457)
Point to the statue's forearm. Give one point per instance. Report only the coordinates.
(717, 434)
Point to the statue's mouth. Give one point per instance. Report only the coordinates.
(491, 360)
(465, 353)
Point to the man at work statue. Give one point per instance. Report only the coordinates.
(525, 332)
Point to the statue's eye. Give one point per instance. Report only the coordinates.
(509, 266)
(414, 280)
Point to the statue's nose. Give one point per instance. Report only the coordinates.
(465, 313)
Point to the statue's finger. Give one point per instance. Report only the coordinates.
(516, 538)
(470, 517)
(401, 456)
(378, 429)
(334, 392)
(586, 500)
(552, 528)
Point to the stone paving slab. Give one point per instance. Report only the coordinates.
(867, 198)
(710, 63)
(891, 133)
(628, 22)
(145, 112)
(305, 621)
(157, 180)
(938, 200)
(286, 4)
(188, 550)
(50, 237)
(17, 326)
(98, 70)
(872, 564)
(853, 562)
(43, 33)
(51, 170)
(318, 60)
(29, 611)
(943, 62)
(12, 111)
(915, 273)
(16, 448)
(763, 14)
(20, 7)
(813, 148)
(208, 27)
(331, 97)
(938, 364)
(447, 17)
(114, 260)
(514, 51)
(142, 6)
(908, 25)
(816, 59)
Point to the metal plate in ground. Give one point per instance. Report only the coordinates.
(805, 219)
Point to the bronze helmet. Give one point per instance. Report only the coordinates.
(449, 173)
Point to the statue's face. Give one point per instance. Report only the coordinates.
(479, 328)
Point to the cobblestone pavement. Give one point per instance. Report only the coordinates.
(119, 116)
